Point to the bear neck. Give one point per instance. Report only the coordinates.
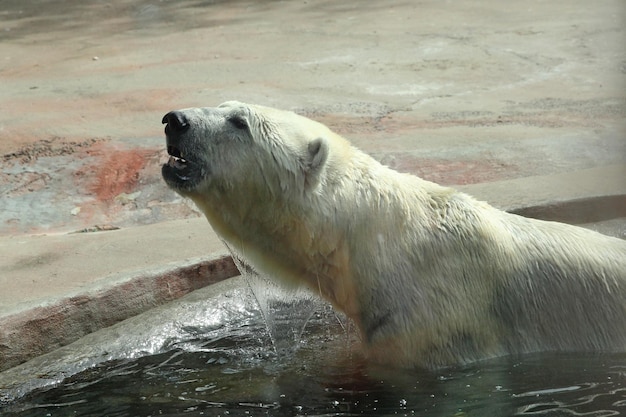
(310, 239)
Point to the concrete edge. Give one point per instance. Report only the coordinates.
(65, 320)
(529, 195)
(580, 211)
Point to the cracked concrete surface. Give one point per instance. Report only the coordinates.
(455, 92)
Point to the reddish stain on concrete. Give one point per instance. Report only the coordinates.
(115, 171)
(118, 173)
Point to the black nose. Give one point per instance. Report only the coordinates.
(176, 122)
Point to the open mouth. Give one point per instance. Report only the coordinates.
(176, 160)
(179, 172)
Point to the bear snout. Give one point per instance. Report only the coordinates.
(184, 169)
(176, 122)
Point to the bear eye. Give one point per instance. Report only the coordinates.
(238, 121)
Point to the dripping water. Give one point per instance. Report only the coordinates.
(285, 312)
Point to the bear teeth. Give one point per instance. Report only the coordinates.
(178, 163)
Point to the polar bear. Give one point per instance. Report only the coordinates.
(430, 276)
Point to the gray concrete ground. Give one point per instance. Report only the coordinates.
(522, 104)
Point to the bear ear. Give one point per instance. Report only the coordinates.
(317, 155)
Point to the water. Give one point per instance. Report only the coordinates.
(285, 312)
(210, 354)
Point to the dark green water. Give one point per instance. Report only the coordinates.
(236, 376)
(212, 356)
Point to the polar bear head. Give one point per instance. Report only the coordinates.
(266, 152)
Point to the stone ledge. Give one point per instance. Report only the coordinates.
(38, 330)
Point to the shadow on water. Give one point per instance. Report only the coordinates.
(211, 354)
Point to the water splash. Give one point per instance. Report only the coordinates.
(286, 312)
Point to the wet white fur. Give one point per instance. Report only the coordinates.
(430, 275)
